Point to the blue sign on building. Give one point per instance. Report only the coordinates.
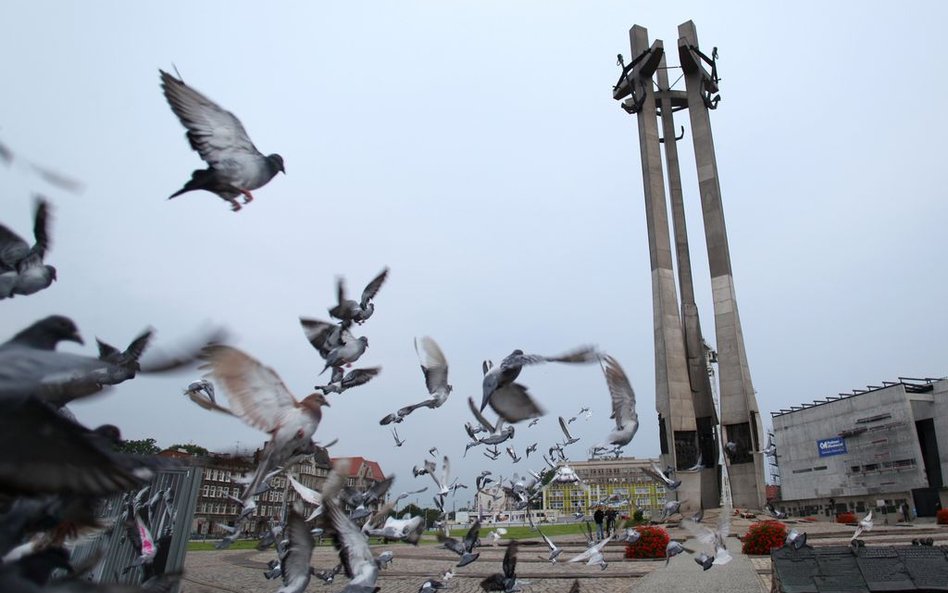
(833, 446)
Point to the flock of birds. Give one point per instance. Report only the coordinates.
(56, 469)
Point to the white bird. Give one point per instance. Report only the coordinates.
(659, 476)
(623, 404)
(570, 439)
(443, 483)
(434, 365)
(554, 550)
(714, 537)
(865, 524)
(593, 554)
(398, 442)
(311, 496)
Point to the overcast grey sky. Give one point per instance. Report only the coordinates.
(475, 149)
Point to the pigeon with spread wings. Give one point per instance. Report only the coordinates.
(623, 404)
(347, 310)
(22, 270)
(235, 165)
(434, 365)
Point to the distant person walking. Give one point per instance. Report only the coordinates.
(597, 517)
(611, 521)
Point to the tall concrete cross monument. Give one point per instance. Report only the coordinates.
(683, 395)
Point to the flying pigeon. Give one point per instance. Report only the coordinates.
(353, 378)
(865, 524)
(309, 495)
(435, 368)
(464, 548)
(795, 539)
(671, 507)
(235, 166)
(348, 310)
(398, 442)
(623, 404)
(659, 476)
(259, 397)
(360, 500)
(498, 433)
(531, 449)
(506, 581)
(352, 545)
(515, 404)
(201, 392)
(704, 561)
(22, 270)
(714, 537)
(554, 550)
(570, 439)
(593, 554)
(533, 422)
(673, 549)
(45, 452)
(347, 353)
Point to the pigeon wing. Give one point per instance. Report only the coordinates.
(510, 560)
(296, 571)
(514, 404)
(216, 134)
(433, 364)
(308, 494)
(372, 288)
(318, 333)
(470, 538)
(12, 249)
(256, 393)
(621, 393)
(47, 453)
(480, 417)
(565, 430)
(40, 232)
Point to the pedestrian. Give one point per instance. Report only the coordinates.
(597, 517)
(610, 521)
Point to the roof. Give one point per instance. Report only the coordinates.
(352, 467)
(911, 385)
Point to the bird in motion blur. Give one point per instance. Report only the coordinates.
(22, 270)
(235, 166)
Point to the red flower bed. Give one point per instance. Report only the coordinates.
(846, 518)
(941, 517)
(650, 545)
(764, 536)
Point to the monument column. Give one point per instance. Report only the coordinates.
(706, 418)
(673, 398)
(739, 412)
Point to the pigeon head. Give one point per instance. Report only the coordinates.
(46, 333)
(276, 163)
(314, 401)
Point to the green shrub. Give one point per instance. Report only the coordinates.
(764, 536)
(638, 516)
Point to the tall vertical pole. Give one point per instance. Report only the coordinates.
(739, 412)
(673, 399)
(704, 406)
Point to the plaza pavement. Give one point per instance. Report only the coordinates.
(242, 571)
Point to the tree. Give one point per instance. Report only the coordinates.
(140, 447)
(192, 449)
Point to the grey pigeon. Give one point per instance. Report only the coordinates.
(45, 452)
(398, 442)
(324, 336)
(348, 310)
(659, 476)
(434, 365)
(673, 549)
(714, 537)
(22, 270)
(498, 433)
(623, 404)
(295, 562)
(554, 550)
(235, 166)
(503, 375)
(352, 545)
(570, 439)
(353, 378)
(795, 539)
(507, 580)
(45, 334)
(704, 561)
(463, 548)
(346, 353)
